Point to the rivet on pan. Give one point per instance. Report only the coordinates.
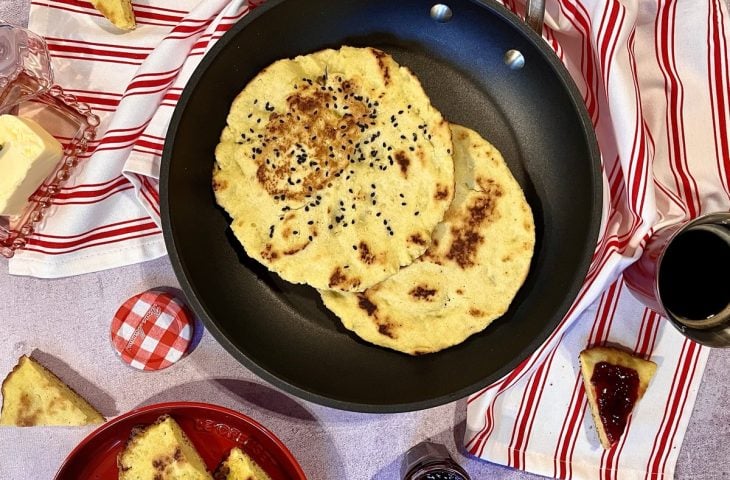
(441, 13)
(514, 59)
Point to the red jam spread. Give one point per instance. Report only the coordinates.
(617, 389)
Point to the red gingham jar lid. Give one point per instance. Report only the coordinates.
(152, 330)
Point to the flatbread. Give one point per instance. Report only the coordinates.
(478, 260)
(335, 168)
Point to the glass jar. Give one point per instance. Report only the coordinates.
(431, 461)
(27, 89)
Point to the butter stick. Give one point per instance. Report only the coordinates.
(28, 154)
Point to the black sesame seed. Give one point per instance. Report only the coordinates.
(416, 214)
(354, 247)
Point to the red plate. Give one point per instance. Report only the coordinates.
(212, 429)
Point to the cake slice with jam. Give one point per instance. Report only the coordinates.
(614, 380)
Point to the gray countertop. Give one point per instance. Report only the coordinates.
(330, 444)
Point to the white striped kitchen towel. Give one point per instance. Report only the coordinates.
(654, 76)
(109, 215)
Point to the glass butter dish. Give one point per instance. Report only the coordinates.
(27, 90)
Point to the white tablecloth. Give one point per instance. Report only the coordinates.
(65, 323)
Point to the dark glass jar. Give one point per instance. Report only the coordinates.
(431, 461)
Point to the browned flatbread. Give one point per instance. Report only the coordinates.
(335, 168)
(478, 260)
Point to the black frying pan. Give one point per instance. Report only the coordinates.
(535, 117)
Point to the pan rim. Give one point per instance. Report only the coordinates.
(563, 307)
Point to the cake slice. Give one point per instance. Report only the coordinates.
(239, 466)
(161, 451)
(119, 12)
(32, 395)
(614, 381)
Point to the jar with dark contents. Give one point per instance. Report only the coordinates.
(431, 461)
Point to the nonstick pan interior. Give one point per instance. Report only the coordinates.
(533, 115)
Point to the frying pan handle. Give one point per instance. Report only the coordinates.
(535, 14)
